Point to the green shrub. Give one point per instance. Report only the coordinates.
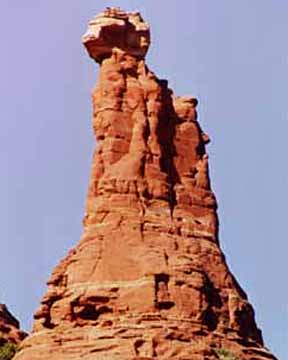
(7, 351)
(224, 354)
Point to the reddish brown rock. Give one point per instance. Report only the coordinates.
(9, 327)
(148, 279)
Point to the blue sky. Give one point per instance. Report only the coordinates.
(232, 55)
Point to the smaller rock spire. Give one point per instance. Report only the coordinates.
(9, 327)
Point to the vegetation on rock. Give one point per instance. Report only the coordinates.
(225, 354)
(7, 351)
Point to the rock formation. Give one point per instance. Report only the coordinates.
(148, 279)
(9, 327)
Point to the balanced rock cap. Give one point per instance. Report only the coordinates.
(115, 30)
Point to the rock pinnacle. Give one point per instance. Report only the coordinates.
(148, 279)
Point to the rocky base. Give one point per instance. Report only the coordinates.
(148, 337)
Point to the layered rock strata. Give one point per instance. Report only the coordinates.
(148, 279)
(9, 328)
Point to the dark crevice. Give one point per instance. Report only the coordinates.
(161, 278)
(48, 323)
(92, 312)
(166, 134)
(165, 305)
(166, 258)
(138, 343)
(210, 319)
(162, 296)
(99, 299)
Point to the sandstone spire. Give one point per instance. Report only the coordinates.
(148, 279)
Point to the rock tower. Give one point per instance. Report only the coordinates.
(148, 279)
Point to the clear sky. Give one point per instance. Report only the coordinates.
(231, 54)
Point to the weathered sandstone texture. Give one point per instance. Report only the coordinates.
(148, 279)
(9, 327)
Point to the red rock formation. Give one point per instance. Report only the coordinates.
(9, 327)
(148, 279)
